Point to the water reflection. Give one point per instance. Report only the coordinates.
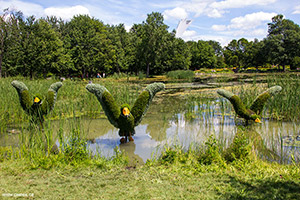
(275, 141)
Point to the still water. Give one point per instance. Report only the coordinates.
(273, 140)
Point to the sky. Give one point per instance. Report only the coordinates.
(218, 20)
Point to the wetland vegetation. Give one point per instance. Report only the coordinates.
(190, 144)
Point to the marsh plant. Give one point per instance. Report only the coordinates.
(287, 105)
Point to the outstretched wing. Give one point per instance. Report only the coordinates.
(107, 102)
(49, 102)
(237, 103)
(143, 101)
(258, 104)
(24, 96)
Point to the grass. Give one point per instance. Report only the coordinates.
(182, 177)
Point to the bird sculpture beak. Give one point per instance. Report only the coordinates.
(126, 112)
(257, 120)
(36, 100)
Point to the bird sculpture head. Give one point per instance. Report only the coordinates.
(37, 99)
(255, 118)
(125, 110)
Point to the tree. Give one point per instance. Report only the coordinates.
(3, 38)
(177, 56)
(254, 54)
(153, 34)
(203, 55)
(9, 39)
(236, 52)
(89, 47)
(283, 41)
(41, 48)
(218, 52)
(122, 46)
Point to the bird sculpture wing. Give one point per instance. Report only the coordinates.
(49, 102)
(237, 103)
(107, 102)
(143, 101)
(258, 104)
(24, 96)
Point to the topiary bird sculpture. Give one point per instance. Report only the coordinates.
(124, 118)
(37, 106)
(255, 110)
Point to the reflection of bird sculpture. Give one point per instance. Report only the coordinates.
(38, 106)
(125, 118)
(257, 106)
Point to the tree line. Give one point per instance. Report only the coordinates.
(85, 46)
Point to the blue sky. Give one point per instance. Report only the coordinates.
(219, 20)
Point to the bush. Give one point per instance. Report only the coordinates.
(181, 74)
(239, 149)
(212, 154)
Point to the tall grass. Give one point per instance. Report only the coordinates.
(283, 106)
(72, 99)
(286, 105)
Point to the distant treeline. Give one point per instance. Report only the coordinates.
(85, 46)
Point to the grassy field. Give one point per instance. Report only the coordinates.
(203, 172)
(155, 180)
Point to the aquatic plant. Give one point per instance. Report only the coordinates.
(286, 105)
(38, 106)
(125, 118)
(255, 110)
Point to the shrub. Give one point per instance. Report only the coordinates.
(239, 149)
(181, 74)
(212, 153)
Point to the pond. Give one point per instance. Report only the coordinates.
(275, 141)
(174, 121)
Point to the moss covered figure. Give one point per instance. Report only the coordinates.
(37, 106)
(125, 118)
(254, 113)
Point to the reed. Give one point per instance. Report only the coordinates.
(72, 99)
(285, 106)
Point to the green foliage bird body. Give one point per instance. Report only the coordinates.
(124, 118)
(255, 110)
(37, 106)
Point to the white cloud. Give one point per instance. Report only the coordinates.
(211, 8)
(38, 11)
(219, 27)
(250, 21)
(193, 36)
(249, 26)
(297, 10)
(257, 32)
(246, 25)
(188, 34)
(214, 13)
(67, 12)
(176, 13)
(28, 9)
(239, 3)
